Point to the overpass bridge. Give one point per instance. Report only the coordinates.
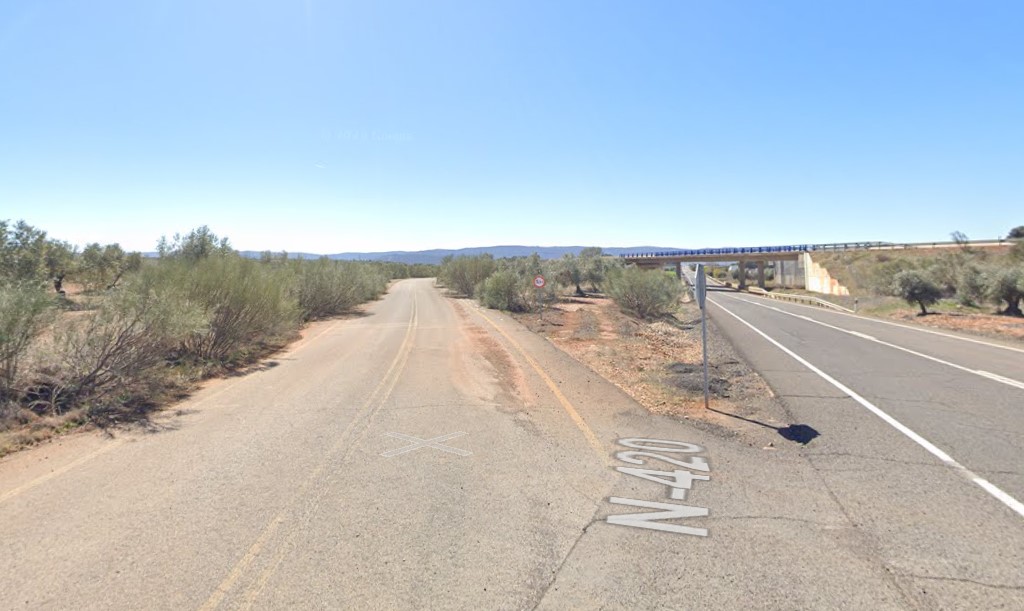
(793, 263)
(797, 256)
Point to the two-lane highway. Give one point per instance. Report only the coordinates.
(963, 394)
(921, 432)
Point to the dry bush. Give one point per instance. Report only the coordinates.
(114, 350)
(325, 288)
(645, 293)
(25, 310)
(246, 306)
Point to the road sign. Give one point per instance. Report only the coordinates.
(702, 286)
(539, 281)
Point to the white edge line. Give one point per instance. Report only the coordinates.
(984, 484)
(910, 327)
(999, 378)
(985, 374)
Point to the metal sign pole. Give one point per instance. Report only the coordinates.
(702, 292)
(538, 284)
(704, 340)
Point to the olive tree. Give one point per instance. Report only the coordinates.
(22, 252)
(915, 287)
(594, 266)
(102, 267)
(463, 274)
(570, 272)
(1006, 285)
(200, 243)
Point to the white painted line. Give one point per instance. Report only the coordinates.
(418, 443)
(902, 326)
(985, 485)
(1011, 502)
(984, 374)
(999, 378)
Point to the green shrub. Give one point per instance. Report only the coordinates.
(247, 306)
(645, 293)
(1017, 252)
(24, 311)
(970, 285)
(881, 277)
(394, 271)
(504, 290)
(463, 274)
(326, 288)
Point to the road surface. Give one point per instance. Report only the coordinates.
(431, 454)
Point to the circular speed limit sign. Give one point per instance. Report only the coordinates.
(539, 282)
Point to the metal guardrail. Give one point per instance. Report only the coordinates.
(804, 299)
(838, 246)
(756, 290)
(966, 243)
(699, 252)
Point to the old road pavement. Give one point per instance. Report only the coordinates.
(433, 455)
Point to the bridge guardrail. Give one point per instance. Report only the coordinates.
(804, 299)
(838, 246)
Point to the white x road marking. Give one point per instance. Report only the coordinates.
(426, 443)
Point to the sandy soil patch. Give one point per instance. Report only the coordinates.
(988, 325)
(659, 363)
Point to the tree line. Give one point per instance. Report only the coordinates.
(508, 284)
(970, 276)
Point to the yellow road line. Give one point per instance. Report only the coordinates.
(383, 390)
(592, 439)
(61, 470)
(403, 356)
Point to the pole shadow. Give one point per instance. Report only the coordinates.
(799, 433)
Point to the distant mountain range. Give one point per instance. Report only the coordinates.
(435, 256)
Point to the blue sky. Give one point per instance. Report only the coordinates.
(306, 125)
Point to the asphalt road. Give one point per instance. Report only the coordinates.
(433, 455)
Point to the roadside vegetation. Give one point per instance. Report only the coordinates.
(962, 279)
(508, 284)
(103, 335)
(634, 327)
(647, 294)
